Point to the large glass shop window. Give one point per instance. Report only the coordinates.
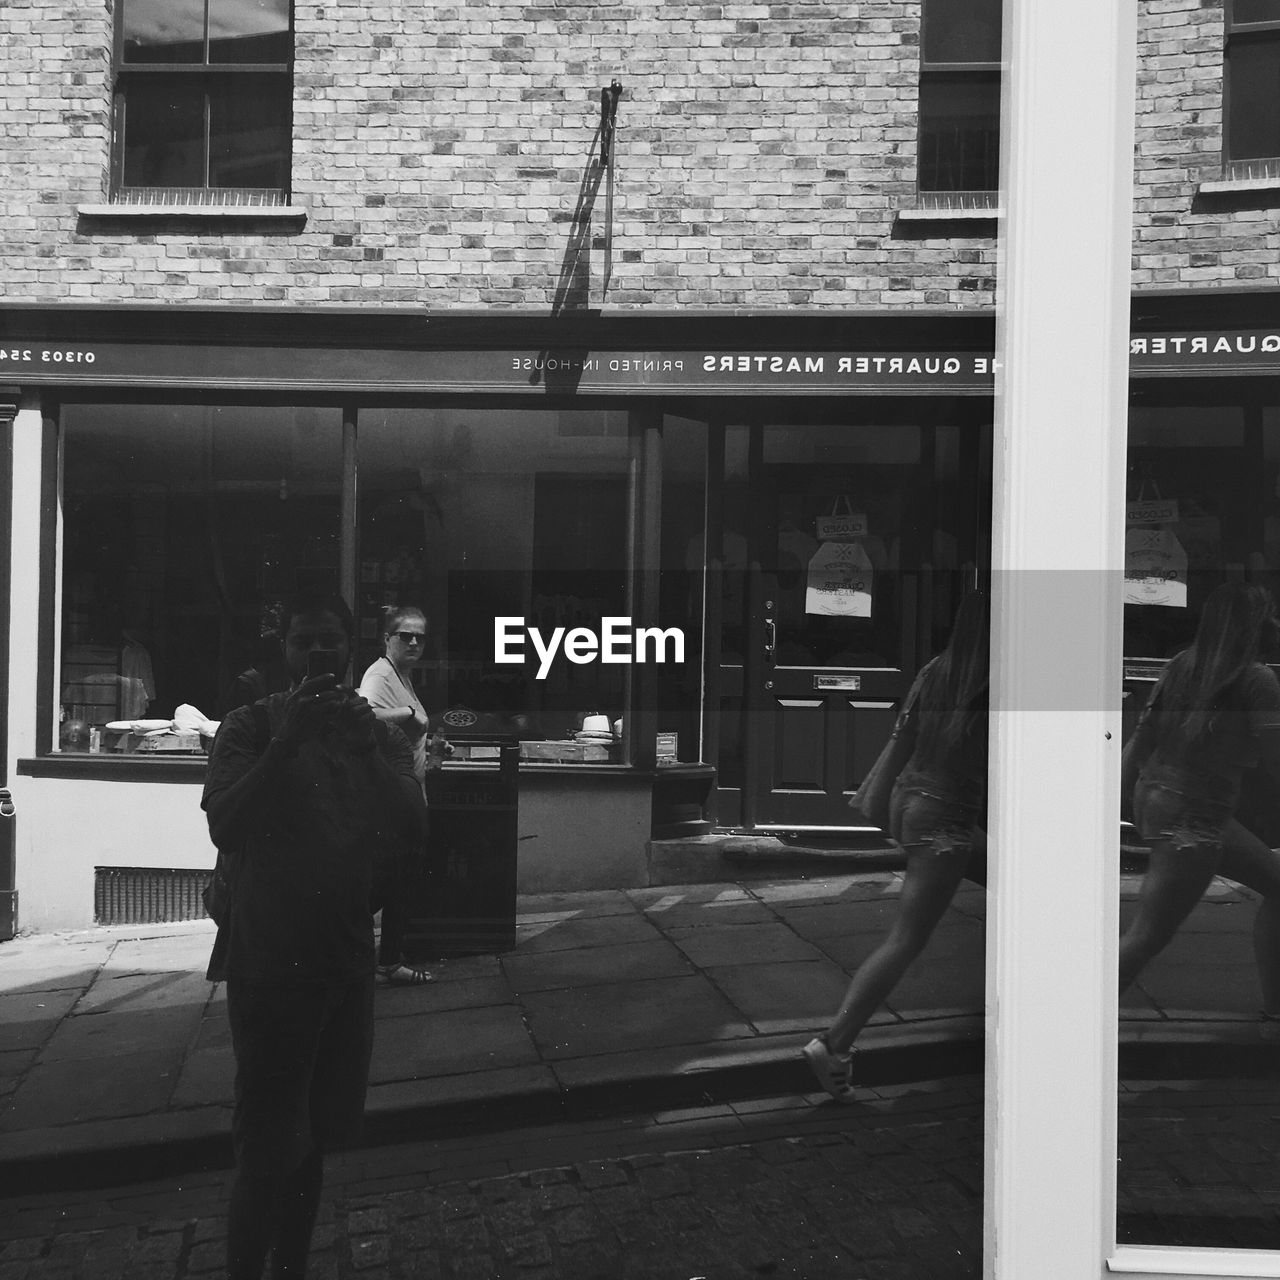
(475, 516)
(1200, 868)
(185, 528)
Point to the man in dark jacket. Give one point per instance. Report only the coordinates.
(307, 795)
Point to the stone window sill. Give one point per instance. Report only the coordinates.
(931, 213)
(1228, 186)
(204, 212)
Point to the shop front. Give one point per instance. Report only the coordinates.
(1203, 485)
(734, 539)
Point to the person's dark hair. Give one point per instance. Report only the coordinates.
(953, 698)
(319, 602)
(1228, 643)
(395, 614)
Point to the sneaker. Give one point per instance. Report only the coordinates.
(833, 1071)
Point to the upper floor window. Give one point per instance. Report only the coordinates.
(959, 147)
(203, 99)
(1251, 135)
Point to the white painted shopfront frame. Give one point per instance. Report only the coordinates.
(1061, 409)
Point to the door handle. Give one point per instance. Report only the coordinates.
(770, 640)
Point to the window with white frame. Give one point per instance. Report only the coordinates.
(203, 101)
(1251, 123)
(959, 136)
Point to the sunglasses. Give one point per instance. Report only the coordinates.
(409, 637)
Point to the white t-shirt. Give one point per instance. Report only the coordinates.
(383, 688)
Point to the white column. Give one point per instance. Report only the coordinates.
(24, 594)
(1063, 294)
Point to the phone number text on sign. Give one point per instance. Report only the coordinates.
(44, 355)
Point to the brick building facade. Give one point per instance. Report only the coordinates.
(443, 155)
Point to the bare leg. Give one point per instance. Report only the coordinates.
(927, 889)
(1175, 881)
(1248, 860)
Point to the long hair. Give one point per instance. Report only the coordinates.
(953, 699)
(1228, 642)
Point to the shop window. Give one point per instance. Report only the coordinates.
(476, 515)
(203, 101)
(959, 133)
(184, 530)
(1251, 141)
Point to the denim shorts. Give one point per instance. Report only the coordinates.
(924, 819)
(1184, 821)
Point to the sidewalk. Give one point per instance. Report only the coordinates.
(115, 1061)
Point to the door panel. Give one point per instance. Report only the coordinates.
(820, 669)
(822, 676)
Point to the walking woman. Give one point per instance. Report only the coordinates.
(936, 812)
(1215, 712)
(388, 688)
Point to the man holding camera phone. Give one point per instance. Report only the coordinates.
(303, 817)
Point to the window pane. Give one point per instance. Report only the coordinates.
(185, 529)
(249, 31)
(961, 31)
(1253, 97)
(163, 30)
(959, 132)
(1256, 11)
(249, 131)
(163, 132)
(476, 514)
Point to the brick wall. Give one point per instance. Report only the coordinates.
(444, 155)
(1183, 236)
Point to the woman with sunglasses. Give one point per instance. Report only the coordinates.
(387, 686)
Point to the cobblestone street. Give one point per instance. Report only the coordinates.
(780, 1187)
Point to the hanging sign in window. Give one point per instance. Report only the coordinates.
(839, 581)
(1155, 568)
(1152, 511)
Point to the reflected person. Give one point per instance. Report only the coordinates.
(1213, 714)
(306, 791)
(387, 686)
(936, 813)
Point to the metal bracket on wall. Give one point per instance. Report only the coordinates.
(608, 121)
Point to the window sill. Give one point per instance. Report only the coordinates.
(203, 212)
(1228, 186)
(936, 213)
(192, 769)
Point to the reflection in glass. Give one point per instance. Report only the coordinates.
(249, 137)
(1255, 11)
(961, 31)
(163, 30)
(959, 131)
(473, 515)
(249, 31)
(184, 530)
(1253, 119)
(164, 133)
(928, 790)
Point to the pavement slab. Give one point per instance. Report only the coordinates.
(633, 1015)
(450, 1042)
(63, 1092)
(766, 943)
(572, 968)
(29, 1018)
(562, 934)
(788, 997)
